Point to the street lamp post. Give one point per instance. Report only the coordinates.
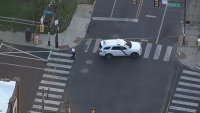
(184, 21)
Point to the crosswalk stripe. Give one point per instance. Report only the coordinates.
(45, 107)
(187, 97)
(56, 71)
(49, 95)
(51, 89)
(55, 77)
(187, 90)
(185, 103)
(190, 79)
(47, 101)
(147, 50)
(60, 54)
(157, 52)
(167, 53)
(191, 72)
(34, 111)
(52, 83)
(87, 45)
(188, 84)
(59, 65)
(96, 46)
(182, 109)
(61, 60)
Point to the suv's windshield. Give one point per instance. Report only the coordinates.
(128, 43)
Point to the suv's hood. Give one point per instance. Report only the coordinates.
(135, 46)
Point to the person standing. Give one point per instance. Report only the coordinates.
(73, 53)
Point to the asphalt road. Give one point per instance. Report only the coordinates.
(120, 85)
(16, 61)
(147, 27)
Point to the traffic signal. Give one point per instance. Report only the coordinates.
(156, 3)
(41, 28)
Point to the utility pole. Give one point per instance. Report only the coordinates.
(158, 36)
(49, 42)
(184, 21)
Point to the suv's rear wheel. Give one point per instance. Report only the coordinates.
(109, 56)
(134, 55)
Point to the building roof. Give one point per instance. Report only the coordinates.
(6, 89)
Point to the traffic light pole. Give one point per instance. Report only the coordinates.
(184, 23)
(49, 42)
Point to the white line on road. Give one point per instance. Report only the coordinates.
(190, 78)
(147, 50)
(51, 89)
(115, 19)
(87, 45)
(56, 71)
(187, 97)
(34, 112)
(21, 66)
(60, 54)
(113, 8)
(45, 108)
(52, 83)
(183, 109)
(167, 53)
(61, 60)
(96, 46)
(49, 95)
(187, 91)
(185, 103)
(157, 52)
(150, 16)
(55, 77)
(191, 73)
(59, 65)
(47, 101)
(188, 84)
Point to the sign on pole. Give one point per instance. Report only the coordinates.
(164, 1)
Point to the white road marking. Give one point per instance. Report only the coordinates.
(96, 46)
(21, 66)
(167, 53)
(59, 65)
(187, 90)
(24, 52)
(157, 52)
(52, 83)
(115, 19)
(55, 77)
(190, 79)
(45, 108)
(29, 52)
(182, 109)
(113, 8)
(139, 9)
(49, 95)
(61, 60)
(147, 50)
(34, 112)
(150, 16)
(1, 45)
(61, 54)
(185, 103)
(47, 101)
(56, 71)
(191, 73)
(87, 45)
(188, 84)
(22, 57)
(51, 89)
(187, 97)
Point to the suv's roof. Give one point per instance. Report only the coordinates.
(112, 42)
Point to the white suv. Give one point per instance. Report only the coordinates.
(119, 47)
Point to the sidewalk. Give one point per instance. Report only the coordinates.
(69, 38)
(189, 55)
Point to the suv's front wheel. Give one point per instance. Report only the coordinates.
(134, 55)
(109, 56)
